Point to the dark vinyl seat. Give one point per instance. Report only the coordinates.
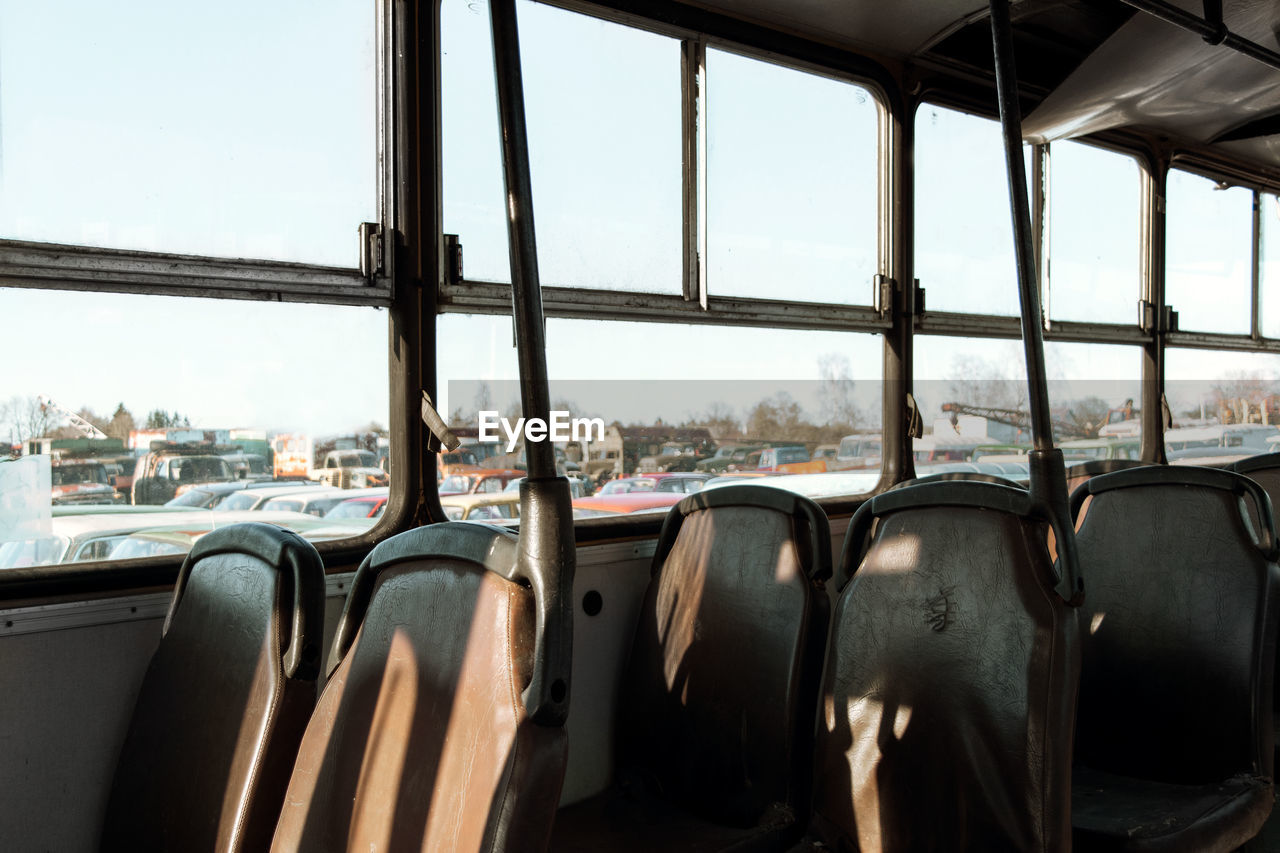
(1264, 469)
(422, 739)
(719, 696)
(225, 699)
(1083, 472)
(949, 692)
(1173, 741)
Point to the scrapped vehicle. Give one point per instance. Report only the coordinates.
(82, 481)
(791, 458)
(861, 450)
(675, 482)
(252, 499)
(208, 495)
(672, 457)
(1085, 449)
(165, 472)
(482, 481)
(350, 469)
(179, 535)
(727, 458)
(314, 502)
(369, 503)
(503, 506)
(826, 453)
(625, 504)
(1253, 438)
(249, 466)
(457, 461)
(82, 534)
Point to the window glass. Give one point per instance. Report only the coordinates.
(237, 129)
(695, 402)
(1208, 253)
(804, 227)
(178, 386)
(602, 103)
(973, 399)
(1269, 265)
(963, 230)
(1094, 241)
(1228, 402)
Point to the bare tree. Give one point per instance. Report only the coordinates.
(23, 418)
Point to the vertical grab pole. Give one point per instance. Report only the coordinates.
(546, 557)
(1048, 476)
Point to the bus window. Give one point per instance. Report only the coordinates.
(679, 398)
(963, 236)
(1269, 264)
(1093, 235)
(810, 219)
(1209, 251)
(205, 145)
(606, 177)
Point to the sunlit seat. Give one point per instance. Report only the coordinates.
(949, 691)
(422, 739)
(719, 697)
(1173, 742)
(225, 699)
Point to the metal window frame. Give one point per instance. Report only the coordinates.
(56, 266)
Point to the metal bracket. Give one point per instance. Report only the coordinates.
(452, 259)
(885, 288)
(370, 250)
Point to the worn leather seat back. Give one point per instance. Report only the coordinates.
(720, 693)
(421, 740)
(225, 699)
(950, 683)
(1179, 615)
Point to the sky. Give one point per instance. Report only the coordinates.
(211, 137)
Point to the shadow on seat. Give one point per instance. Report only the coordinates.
(950, 680)
(225, 699)
(1173, 742)
(1082, 472)
(422, 739)
(719, 697)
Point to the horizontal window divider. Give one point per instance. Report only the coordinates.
(992, 326)
(1212, 340)
(53, 266)
(479, 297)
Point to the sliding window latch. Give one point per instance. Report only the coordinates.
(1153, 318)
(370, 250)
(452, 259)
(885, 289)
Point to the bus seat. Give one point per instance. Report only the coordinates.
(1082, 472)
(1173, 740)
(949, 691)
(719, 697)
(225, 699)
(422, 739)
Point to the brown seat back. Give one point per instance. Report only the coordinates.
(422, 740)
(1179, 626)
(950, 678)
(720, 694)
(225, 699)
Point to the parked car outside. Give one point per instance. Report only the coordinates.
(162, 474)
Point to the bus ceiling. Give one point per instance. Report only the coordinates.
(1085, 66)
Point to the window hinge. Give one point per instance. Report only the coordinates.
(370, 250)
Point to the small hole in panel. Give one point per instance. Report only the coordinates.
(592, 603)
